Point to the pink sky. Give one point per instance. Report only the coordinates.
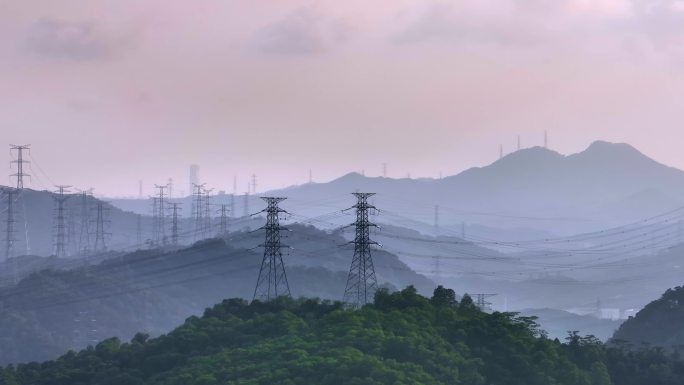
(112, 92)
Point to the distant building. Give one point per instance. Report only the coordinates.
(609, 313)
(629, 313)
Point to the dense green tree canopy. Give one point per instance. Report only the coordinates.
(403, 338)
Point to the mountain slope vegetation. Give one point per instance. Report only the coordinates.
(52, 311)
(658, 324)
(403, 338)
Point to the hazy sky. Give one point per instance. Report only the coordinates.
(110, 92)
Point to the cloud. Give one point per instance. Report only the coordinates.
(662, 21)
(302, 32)
(76, 40)
(445, 22)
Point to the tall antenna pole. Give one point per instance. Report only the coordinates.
(361, 282)
(254, 184)
(546, 139)
(518, 142)
(60, 223)
(272, 281)
(174, 223)
(20, 162)
(100, 245)
(310, 177)
(384, 170)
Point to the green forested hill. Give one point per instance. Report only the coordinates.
(403, 338)
(51, 311)
(658, 324)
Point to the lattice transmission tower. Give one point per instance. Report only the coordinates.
(175, 216)
(18, 203)
(20, 162)
(272, 281)
(84, 222)
(361, 281)
(160, 208)
(481, 301)
(10, 196)
(206, 224)
(223, 220)
(60, 198)
(198, 210)
(100, 222)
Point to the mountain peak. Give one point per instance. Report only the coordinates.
(603, 146)
(351, 175)
(528, 158)
(619, 153)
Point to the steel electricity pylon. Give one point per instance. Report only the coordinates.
(60, 198)
(272, 281)
(361, 281)
(10, 196)
(100, 245)
(20, 162)
(198, 210)
(223, 220)
(481, 301)
(160, 215)
(175, 209)
(206, 224)
(84, 232)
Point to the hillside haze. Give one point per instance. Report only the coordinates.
(529, 193)
(536, 189)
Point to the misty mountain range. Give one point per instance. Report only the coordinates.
(529, 193)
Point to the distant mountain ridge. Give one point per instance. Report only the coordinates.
(605, 185)
(530, 191)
